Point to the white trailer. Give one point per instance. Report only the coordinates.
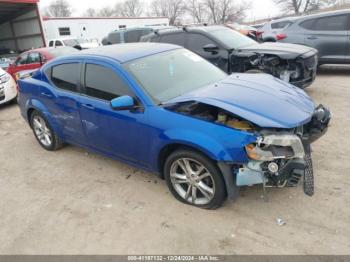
(20, 25)
(94, 28)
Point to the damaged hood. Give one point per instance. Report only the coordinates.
(259, 98)
(283, 50)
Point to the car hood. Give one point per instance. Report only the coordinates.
(259, 98)
(283, 50)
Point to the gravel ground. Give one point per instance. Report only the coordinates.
(75, 202)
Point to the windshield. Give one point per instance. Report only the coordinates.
(231, 38)
(171, 74)
(70, 42)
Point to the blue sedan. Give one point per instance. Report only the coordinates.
(164, 109)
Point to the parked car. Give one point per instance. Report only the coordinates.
(271, 31)
(79, 44)
(162, 108)
(131, 35)
(34, 59)
(8, 89)
(327, 32)
(234, 52)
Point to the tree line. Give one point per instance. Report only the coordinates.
(199, 11)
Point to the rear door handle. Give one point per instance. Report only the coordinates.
(88, 106)
(46, 94)
(312, 37)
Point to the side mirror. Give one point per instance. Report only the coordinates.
(211, 48)
(123, 103)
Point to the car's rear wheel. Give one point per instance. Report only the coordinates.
(43, 132)
(194, 179)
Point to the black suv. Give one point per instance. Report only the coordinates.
(233, 52)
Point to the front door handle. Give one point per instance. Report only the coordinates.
(312, 37)
(88, 106)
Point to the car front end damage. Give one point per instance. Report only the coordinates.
(281, 118)
(282, 158)
(297, 70)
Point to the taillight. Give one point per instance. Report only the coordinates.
(281, 36)
(259, 33)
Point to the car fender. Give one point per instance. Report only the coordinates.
(206, 144)
(39, 106)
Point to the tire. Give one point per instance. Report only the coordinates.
(203, 179)
(43, 133)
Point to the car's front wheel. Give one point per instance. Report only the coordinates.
(43, 132)
(194, 179)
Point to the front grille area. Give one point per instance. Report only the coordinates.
(311, 62)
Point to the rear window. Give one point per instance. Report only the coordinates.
(135, 35)
(175, 38)
(114, 38)
(66, 76)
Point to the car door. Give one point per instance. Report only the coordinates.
(61, 98)
(196, 43)
(19, 65)
(119, 133)
(329, 36)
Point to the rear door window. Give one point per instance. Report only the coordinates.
(174, 38)
(308, 24)
(104, 83)
(196, 42)
(66, 76)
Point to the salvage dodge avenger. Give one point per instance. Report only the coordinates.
(167, 110)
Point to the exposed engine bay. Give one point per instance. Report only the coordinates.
(299, 72)
(279, 157)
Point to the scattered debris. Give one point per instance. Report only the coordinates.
(128, 176)
(280, 222)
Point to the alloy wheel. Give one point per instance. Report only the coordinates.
(41, 130)
(192, 181)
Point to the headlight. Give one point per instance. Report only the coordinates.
(4, 78)
(271, 147)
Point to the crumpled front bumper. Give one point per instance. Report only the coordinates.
(291, 170)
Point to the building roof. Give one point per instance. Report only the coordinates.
(127, 52)
(47, 18)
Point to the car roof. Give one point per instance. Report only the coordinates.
(329, 13)
(127, 52)
(197, 29)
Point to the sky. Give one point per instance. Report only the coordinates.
(260, 8)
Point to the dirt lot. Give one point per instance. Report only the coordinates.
(72, 202)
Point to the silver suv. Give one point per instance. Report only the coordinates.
(329, 33)
(270, 32)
